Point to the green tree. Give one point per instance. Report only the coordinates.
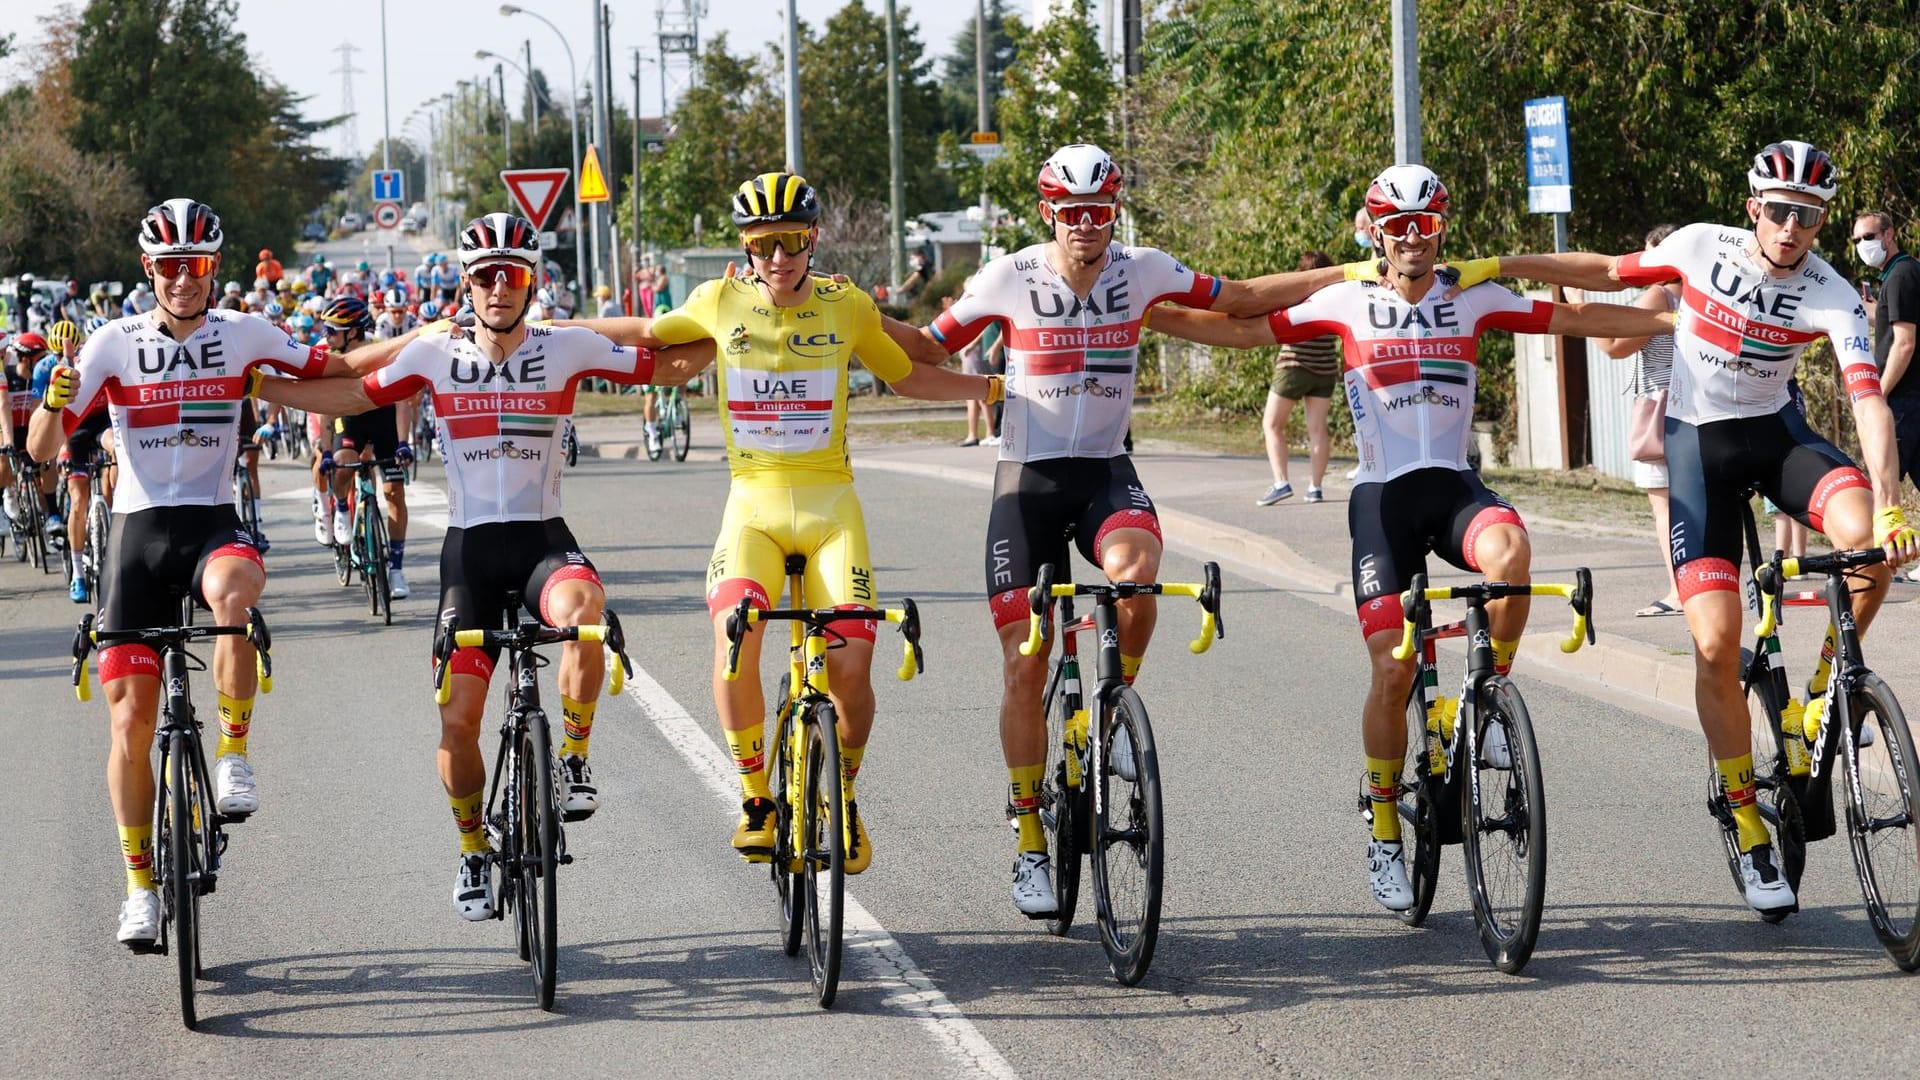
(1059, 90)
(727, 127)
(957, 82)
(843, 85)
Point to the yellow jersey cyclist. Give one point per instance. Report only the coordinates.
(174, 379)
(501, 391)
(1411, 348)
(785, 339)
(1751, 303)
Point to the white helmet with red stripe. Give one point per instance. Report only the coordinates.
(181, 227)
(499, 237)
(1079, 169)
(1404, 189)
(1792, 165)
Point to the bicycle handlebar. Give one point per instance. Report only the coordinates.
(1769, 576)
(912, 662)
(1579, 597)
(526, 636)
(1040, 600)
(85, 638)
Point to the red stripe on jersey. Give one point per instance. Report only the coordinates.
(755, 406)
(1041, 339)
(470, 427)
(1726, 329)
(1055, 364)
(225, 388)
(1629, 270)
(463, 403)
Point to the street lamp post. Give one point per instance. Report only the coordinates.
(506, 111)
(573, 121)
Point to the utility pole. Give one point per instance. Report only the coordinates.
(599, 129)
(1406, 84)
(605, 81)
(533, 105)
(793, 87)
(386, 119)
(634, 304)
(981, 120)
(899, 200)
(506, 116)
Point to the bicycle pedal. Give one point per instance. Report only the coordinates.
(755, 855)
(230, 819)
(146, 948)
(571, 816)
(564, 860)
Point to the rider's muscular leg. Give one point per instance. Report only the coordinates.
(80, 495)
(850, 683)
(1848, 522)
(1504, 554)
(395, 495)
(1713, 616)
(1023, 731)
(463, 772)
(1383, 729)
(742, 705)
(1132, 555)
(231, 585)
(133, 703)
(583, 665)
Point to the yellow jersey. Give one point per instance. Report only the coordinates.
(783, 373)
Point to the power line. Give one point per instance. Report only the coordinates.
(350, 131)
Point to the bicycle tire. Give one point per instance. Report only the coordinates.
(787, 882)
(379, 569)
(183, 896)
(822, 826)
(249, 506)
(1509, 925)
(538, 875)
(1889, 872)
(1419, 816)
(1136, 829)
(99, 521)
(36, 535)
(1773, 788)
(682, 429)
(1061, 816)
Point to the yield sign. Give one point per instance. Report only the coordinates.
(536, 190)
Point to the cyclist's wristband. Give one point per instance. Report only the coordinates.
(254, 377)
(1474, 271)
(1889, 523)
(1365, 270)
(996, 389)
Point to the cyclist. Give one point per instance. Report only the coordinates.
(269, 268)
(502, 390)
(320, 275)
(84, 443)
(1073, 308)
(173, 380)
(1751, 302)
(28, 349)
(369, 436)
(785, 340)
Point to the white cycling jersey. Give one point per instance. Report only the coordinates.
(499, 425)
(1742, 330)
(1411, 368)
(1070, 360)
(176, 404)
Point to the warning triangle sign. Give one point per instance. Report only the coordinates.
(593, 183)
(536, 190)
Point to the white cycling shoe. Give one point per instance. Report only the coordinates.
(397, 584)
(473, 888)
(342, 528)
(1033, 885)
(1493, 748)
(1387, 874)
(1767, 889)
(140, 919)
(233, 788)
(1121, 755)
(579, 798)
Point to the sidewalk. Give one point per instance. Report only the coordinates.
(1206, 504)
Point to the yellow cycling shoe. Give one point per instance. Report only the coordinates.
(860, 853)
(753, 837)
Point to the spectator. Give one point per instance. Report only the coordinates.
(1895, 313)
(974, 361)
(1304, 372)
(609, 307)
(1363, 231)
(268, 267)
(1653, 366)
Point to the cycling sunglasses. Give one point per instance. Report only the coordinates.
(493, 277)
(764, 245)
(1779, 212)
(1413, 225)
(1095, 215)
(176, 266)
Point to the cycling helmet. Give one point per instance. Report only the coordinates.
(299, 286)
(395, 298)
(430, 310)
(387, 279)
(348, 313)
(1406, 189)
(29, 342)
(63, 334)
(1079, 169)
(499, 237)
(233, 288)
(775, 197)
(319, 258)
(545, 296)
(302, 321)
(181, 227)
(1791, 165)
(363, 266)
(274, 310)
(260, 283)
(95, 325)
(266, 254)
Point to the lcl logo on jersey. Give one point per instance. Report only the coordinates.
(815, 346)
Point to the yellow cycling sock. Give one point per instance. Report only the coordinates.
(1503, 653)
(850, 759)
(236, 716)
(466, 818)
(576, 725)
(1130, 668)
(1023, 795)
(1383, 791)
(748, 746)
(136, 847)
(1736, 776)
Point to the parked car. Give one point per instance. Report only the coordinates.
(313, 230)
(351, 221)
(410, 224)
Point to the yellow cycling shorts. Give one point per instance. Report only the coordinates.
(764, 523)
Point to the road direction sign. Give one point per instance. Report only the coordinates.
(1549, 162)
(536, 190)
(389, 185)
(387, 215)
(593, 182)
(986, 137)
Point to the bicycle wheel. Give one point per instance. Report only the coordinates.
(98, 522)
(249, 507)
(1504, 826)
(1419, 816)
(1129, 843)
(537, 877)
(682, 428)
(36, 545)
(379, 571)
(822, 830)
(1883, 821)
(183, 870)
(787, 882)
(1065, 809)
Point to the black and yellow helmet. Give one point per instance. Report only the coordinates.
(775, 197)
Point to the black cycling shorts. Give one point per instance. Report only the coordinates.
(1712, 467)
(484, 567)
(1038, 506)
(1394, 524)
(157, 556)
(84, 439)
(372, 430)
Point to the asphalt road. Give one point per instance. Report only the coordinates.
(333, 948)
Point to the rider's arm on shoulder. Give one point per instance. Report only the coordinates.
(1257, 296)
(345, 395)
(1614, 321)
(675, 365)
(1210, 327)
(371, 356)
(1576, 269)
(920, 345)
(1654, 299)
(929, 383)
(630, 330)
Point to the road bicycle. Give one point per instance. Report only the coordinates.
(1862, 734)
(368, 553)
(189, 833)
(91, 557)
(1495, 807)
(671, 425)
(1100, 794)
(523, 812)
(813, 827)
(28, 525)
(246, 502)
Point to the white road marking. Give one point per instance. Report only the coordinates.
(426, 503)
(869, 946)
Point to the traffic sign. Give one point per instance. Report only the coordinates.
(387, 215)
(986, 136)
(986, 151)
(1549, 162)
(389, 185)
(536, 190)
(593, 182)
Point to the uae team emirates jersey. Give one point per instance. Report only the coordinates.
(1742, 329)
(1071, 360)
(500, 423)
(1412, 368)
(176, 404)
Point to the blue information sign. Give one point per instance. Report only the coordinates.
(1549, 163)
(389, 185)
